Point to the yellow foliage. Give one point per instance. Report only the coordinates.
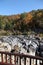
(39, 14)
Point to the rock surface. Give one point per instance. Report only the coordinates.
(20, 43)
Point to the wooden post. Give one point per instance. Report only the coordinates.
(30, 61)
(25, 61)
(2, 57)
(36, 61)
(20, 61)
(6, 58)
(15, 60)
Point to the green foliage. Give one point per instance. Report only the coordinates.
(9, 26)
(23, 26)
(23, 15)
(1, 26)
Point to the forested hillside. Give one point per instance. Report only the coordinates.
(22, 23)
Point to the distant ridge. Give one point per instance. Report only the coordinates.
(23, 23)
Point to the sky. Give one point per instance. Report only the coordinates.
(11, 7)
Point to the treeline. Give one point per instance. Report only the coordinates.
(23, 23)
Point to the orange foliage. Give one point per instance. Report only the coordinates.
(14, 17)
(28, 18)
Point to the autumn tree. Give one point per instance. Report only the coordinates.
(28, 18)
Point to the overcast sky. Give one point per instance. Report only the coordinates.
(9, 7)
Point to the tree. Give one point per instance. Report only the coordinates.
(1, 24)
(23, 15)
(8, 26)
(23, 26)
